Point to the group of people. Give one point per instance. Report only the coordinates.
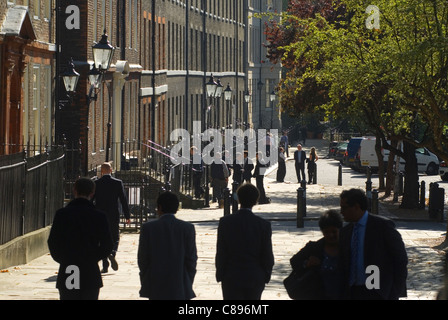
(241, 171)
(82, 235)
(300, 159)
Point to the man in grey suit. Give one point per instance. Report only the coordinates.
(167, 254)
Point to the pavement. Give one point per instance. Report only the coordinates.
(36, 280)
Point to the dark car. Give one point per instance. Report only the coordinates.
(341, 149)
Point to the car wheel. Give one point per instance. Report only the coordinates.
(432, 169)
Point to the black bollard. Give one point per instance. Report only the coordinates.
(375, 205)
(226, 201)
(340, 174)
(422, 203)
(300, 207)
(369, 189)
(315, 173)
(303, 186)
(234, 197)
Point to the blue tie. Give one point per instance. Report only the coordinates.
(354, 255)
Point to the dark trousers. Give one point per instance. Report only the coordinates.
(231, 292)
(80, 294)
(197, 185)
(300, 170)
(115, 234)
(259, 180)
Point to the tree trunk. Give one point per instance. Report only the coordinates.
(390, 176)
(380, 158)
(410, 198)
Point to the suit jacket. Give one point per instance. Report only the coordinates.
(167, 258)
(248, 167)
(109, 191)
(300, 164)
(80, 236)
(383, 247)
(244, 256)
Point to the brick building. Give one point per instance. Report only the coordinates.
(27, 70)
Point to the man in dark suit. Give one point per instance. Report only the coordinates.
(79, 238)
(109, 191)
(369, 240)
(244, 257)
(167, 254)
(299, 161)
(247, 168)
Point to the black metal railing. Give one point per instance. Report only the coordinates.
(31, 190)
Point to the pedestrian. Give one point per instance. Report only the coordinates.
(248, 167)
(79, 238)
(219, 173)
(259, 172)
(281, 171)
(370, 244)
(284, 142)
(312, 165)
(109, 192)
(238, 170)
(167, 254)
(197, 166)
(244, 256)
(299, 163)
(322, 257)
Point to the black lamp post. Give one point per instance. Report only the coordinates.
(102, 56)
(228, 97)
(272, 97)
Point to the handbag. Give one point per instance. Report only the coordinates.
(305, 285)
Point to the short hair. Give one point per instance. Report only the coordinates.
(355, 196)
(248, 195)
(168, 202)
(331, 218)
(84, 187)
(106, 167)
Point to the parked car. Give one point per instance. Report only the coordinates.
(332, 149)
(427, 161)
(341, 149)
(443, 170)
(353, 153)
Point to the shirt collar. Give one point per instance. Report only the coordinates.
(363, 220)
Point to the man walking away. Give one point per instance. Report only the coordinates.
(167, 254)
(79, 239)
(110, 191)
(244, 257)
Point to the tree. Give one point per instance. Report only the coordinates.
(394, 76)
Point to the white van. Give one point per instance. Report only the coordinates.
(427, 161)
(367, 156)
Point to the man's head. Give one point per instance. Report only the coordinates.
(299, 147)
(106, 168)
(353, 204)
(167, 202)
(84, 188)
(248, 195)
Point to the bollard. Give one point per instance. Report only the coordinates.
(422, 195)
(300, 207)
(207, 189)
(436, 202)
(315, 173)
(375, 205)
(340, 175)
(234, 197)
(226, 201)
(369, 189)
(303, 186)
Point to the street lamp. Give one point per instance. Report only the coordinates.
(228, 97)
(103, 53)
(70, 77)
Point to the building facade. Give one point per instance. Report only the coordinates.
(27, 69)
(165, 53)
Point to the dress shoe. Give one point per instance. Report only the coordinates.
(113, 263)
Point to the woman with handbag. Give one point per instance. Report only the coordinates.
(316, 274)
